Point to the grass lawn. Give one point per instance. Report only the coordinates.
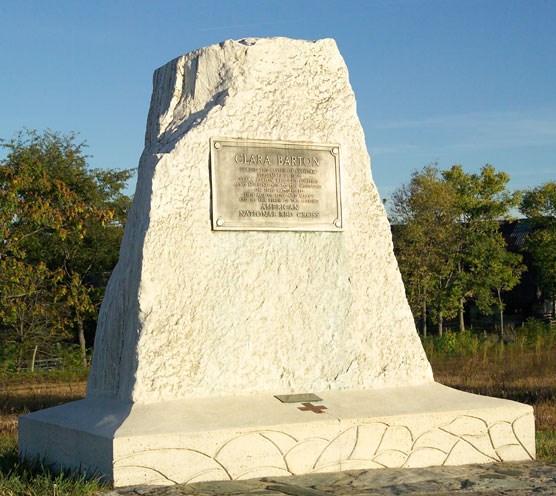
(522, 375)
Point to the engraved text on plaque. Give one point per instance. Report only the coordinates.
(275, 185)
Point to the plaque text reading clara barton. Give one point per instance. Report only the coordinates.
(275, 185)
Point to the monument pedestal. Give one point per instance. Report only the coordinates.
(241, 437)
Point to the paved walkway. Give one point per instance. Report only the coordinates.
(512, 479)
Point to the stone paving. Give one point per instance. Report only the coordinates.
(513, 479)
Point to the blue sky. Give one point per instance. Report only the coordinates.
(468, 81)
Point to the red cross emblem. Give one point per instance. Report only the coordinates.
(308, 407)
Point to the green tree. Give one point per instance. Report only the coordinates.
(539, 206)
(29, 296)
(499, 271)
(426, 214)
(449, 247)
(482, 201)
(61, 216)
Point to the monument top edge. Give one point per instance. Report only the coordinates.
(252, 41)
(249, 41)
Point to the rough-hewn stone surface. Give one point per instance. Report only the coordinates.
(190, 312)
(509, 479)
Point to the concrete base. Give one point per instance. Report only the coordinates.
(242, 437)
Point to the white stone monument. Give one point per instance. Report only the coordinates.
(257, 262)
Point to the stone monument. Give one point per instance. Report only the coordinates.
(256, 323)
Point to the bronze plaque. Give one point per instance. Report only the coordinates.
(275, 185)
(297, 398)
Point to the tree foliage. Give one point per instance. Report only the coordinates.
(427, 212)
(449, 246)
(483, 200)
(539, 206)
(60, 228)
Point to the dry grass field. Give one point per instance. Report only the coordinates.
(19, 397)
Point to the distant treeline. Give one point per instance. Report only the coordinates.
(460, 253)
